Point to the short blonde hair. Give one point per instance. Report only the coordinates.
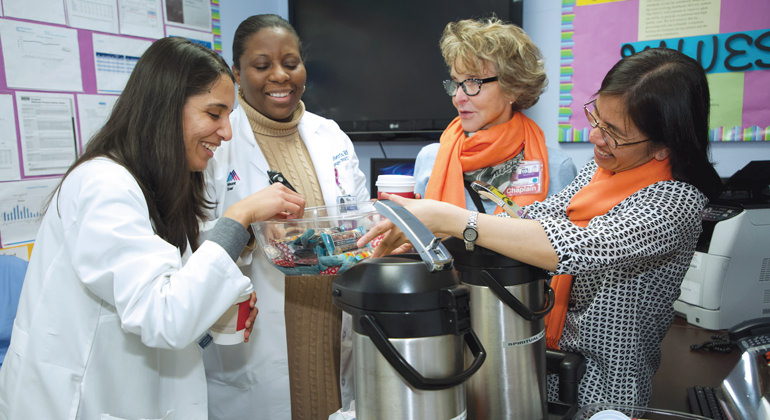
(474, 44)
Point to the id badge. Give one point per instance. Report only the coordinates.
(346, 203)
(527, 179)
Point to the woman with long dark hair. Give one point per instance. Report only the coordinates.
(117, 293)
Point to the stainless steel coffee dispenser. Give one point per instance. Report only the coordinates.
(411, 326)
(509, 300)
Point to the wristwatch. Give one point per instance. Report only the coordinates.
(471, 232)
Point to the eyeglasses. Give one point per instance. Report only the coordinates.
(471, 87)
(609, 138)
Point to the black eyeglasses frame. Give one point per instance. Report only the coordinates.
(451, 85)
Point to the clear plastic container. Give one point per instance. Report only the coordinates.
(323, 242)
(627, 412)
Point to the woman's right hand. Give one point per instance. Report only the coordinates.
(273, 202)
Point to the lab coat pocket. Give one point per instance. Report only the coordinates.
(105, 416)
(19, 339)
(229, 364)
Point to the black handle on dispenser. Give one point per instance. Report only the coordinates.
(372, 329)
(504, 295)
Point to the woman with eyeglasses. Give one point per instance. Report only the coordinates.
(496, 72)
(619, 239)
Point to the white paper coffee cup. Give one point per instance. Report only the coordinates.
(230, 327)
(402, 185)
(609, 415)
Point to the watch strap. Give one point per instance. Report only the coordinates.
(471, 225)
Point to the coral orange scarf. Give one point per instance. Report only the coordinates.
(459, 153)
(604, 192)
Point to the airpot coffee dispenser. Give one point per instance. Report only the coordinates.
(509, 300)
(411, 326)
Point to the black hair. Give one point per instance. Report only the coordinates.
(144, 133)
(667, 98)
(254, 24)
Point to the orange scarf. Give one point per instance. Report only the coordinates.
(604, 192)
(459, 153)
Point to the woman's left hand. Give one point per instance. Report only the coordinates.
(252, 316)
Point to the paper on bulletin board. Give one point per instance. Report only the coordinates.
(204, 38)
(49, 143)
(51, 11)
(95, 15)
(9, 147)
(141, 18)
(114, 59)
(662, 19)
(93, 111)
(21, 209)
(41, 57)
(194, 14)
(595, 35)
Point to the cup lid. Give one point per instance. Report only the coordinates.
(609, 415)
(395, 180)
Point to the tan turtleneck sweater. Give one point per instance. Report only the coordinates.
(285, 151)
(312, 321)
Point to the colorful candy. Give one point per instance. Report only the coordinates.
(318, 251)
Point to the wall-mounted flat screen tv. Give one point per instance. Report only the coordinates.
(374, 66)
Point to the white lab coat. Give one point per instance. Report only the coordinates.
(252, 379)
(110, 313)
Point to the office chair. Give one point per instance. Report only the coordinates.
(12, 271)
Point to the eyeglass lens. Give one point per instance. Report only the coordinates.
(608, 138)
(471, 87)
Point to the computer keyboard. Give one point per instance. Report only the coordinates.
(704, 401)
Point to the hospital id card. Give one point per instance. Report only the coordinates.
(527, 179)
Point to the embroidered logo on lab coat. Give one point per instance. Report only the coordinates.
(231, 178)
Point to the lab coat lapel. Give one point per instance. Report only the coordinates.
(253, 155)
(313, 137)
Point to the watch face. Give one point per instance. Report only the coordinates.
(470, 235)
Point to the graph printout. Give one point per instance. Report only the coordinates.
(21, 209)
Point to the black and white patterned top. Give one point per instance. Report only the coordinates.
(627, 267)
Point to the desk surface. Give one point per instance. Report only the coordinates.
(681, 368)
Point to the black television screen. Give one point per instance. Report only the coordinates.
(388, 166)
(376, 67)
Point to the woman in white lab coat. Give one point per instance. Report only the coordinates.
(272, 130)
(116, 294)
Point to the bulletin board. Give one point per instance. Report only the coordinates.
(63, 64)
(729, 38)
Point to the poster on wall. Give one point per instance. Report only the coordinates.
(729, 38)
